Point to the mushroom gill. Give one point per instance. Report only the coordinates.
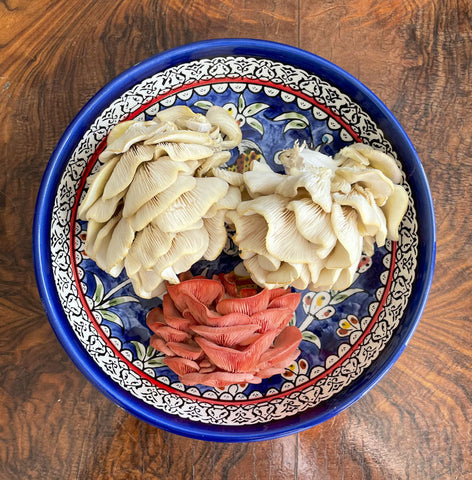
(149, 207)
(308, 228)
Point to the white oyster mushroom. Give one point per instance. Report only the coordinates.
(214, 161)
(120, 141)
(103, 209)
(375, 158)
(371, 217)
(308, 228)
(283, 239)
(314, 224)
(191, 206)
(161, 202)
(97, 184)
(229, 201)
(394, 209)
(233, 178)
(149, 244)
(371, 179)
(150, 179)
(186, 248)
(149, 207)
(118, 247)
(348, 248)
(217, 234)
(124, 171)
(262, 180)
(227, 125)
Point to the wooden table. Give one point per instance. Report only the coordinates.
(417, 57)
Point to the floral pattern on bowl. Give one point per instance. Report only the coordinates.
(344, 332)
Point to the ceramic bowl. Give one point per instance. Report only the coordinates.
(278, 94)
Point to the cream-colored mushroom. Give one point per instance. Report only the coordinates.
(372, 220)
(262, 180)
(215, 160)
(228, 126)
(192, 205)
(348, 248)
(371, 179)
(229, 201)
(217, 234)
(120, 141)
(149, 244)
(102, 210)
(160, 202)
(125, 169)
(151, 178)
(97, 184)
(394, 209)
(176, 114)
(314, 224)
(118, 246)
(376, 158)
(98, 250)
(233, 178)
(283, 240)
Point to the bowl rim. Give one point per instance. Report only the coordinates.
(285, 54)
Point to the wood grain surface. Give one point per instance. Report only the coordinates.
(416, 55)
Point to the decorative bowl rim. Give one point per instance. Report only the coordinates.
(207, 49)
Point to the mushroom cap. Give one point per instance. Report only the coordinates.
(314, 224)
(394, 209)
(262, 180)
(376, 158)
(160, 202)
(283, 239)
(370, 179)
(125, 169)
(227, 125)
(150, 179)
(192, 205)
(97, 184)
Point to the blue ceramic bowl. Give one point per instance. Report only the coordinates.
(350, 339)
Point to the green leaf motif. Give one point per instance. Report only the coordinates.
(295, 125)
(203, 104)
(254, 108)
(341, 296)
(292, 116)
(241, 103)
(155, 362)
(99, 290)
(312, 338)
(111, 317)
(255, 124)
(140, 350)
(113, 302)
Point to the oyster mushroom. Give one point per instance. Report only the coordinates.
(309, 227)
(96, 186)
(375, 158)
(394, 209)
(192, 205)
(149, 207)
(227, 125)
(125, 169)
(160, 202)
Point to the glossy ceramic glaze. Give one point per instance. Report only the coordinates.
(278, 94)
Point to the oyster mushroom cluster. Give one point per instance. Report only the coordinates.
(309, 227)
(211, 336)
(150, 208)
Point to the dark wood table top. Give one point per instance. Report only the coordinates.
(417, 57)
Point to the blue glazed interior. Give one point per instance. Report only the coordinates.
(415, 176)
